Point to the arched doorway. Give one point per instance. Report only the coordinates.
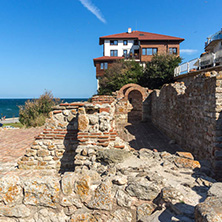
(135, 95)
(136, 100)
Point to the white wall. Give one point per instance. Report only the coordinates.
(120, 47)
(218, 46)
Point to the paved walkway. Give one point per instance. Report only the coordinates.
(146, 135)
(10, 120)
(13, 143)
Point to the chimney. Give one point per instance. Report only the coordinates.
(129, 30)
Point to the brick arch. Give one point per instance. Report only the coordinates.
(123, 93)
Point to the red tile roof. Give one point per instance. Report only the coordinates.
(140, 36)
(106, 58)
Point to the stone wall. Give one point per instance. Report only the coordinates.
(71, 135)
(118, 186)
(191, 115)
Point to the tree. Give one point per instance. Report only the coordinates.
(118, 75)
(159, 71)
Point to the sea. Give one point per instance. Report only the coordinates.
(10, 107)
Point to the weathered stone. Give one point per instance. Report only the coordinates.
(65, 112)
(121, 215)
(71, 116)
(171, 195)
(59, 117)
(82, 188)
(6, 219)
(67, 183)
(82, 110)
(70, 210)
(30, 152)
(42, 191)
(42, 153)
(145, 210)
(112, 155)
(46, 215)
(143, 190)
(186, 163)
(104, 123)
(120, 180)
(83, 122)
(209, 211)
(185, 155)
(93, 119)
(123, 199)
(71, 200)
(215, 190)
(102, 198)
(10, 190)
(19, 211)
(83, 216)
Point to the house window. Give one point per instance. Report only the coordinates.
(136, 42)
(125, 42)
(149, 51)
(113, 52)
(124, 52)
(113, 42)
(103, 65)
(173, 51)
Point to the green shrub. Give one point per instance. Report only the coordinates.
(35, 112)
(159, 71)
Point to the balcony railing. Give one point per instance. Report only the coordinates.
(131, 56)
(205, 61)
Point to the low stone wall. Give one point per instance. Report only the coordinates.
(118, 186)
(191, 115)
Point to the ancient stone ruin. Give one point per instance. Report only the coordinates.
(79, 169)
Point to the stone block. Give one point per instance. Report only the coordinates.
(42, 153)
(10, 190)
(185, 155)
(83, 122)
(186, 163)
(145, 210)
(102, 198)
(143, 190)
(18, 211)
(209, 211)
(42, 191)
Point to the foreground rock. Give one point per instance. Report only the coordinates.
(118, 186)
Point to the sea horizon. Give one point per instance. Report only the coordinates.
(9, 107)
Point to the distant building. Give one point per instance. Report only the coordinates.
(214, 42)
(137, 45)
(212, 57)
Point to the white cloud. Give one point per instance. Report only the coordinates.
(92, 8)
(188, 51)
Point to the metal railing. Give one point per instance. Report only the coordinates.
(205, 61)
(186, 67)
(131, 56)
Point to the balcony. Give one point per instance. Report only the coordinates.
(131, 56)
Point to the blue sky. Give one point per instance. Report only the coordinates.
(50, 44)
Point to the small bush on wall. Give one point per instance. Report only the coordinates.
(35, 111)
